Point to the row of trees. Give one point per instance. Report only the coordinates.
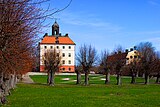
(17, 32)
(148, 63)
(20, 21)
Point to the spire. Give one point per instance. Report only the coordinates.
(55, 29)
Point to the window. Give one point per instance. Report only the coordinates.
(45, 62)
(63, 62)
(135, 57)
(69, 55)
(63, 47)
(63, 69)
(69, 69)
(57, 47)
(57, 42)
(55, 32)
(51, 47)
(69, 47)
(63, 54)
(45, 47)
(69, 62)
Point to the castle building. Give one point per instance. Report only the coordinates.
(61, 43)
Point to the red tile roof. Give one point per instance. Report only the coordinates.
(61, 39)
(117, 57)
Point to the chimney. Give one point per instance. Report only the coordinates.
(66, 35)
(126, 50)
(131, 49)
(119, 52)
(135, 48)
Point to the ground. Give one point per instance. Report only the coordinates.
(67, 94)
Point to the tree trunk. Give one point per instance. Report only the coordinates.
(51, 82)
(146, 78)
(78, 78)
(13, 81)
(119, 79)
(48, 77)
(137, 74)
(86, 79)
(143, 75)
(158, 77)
(133, 78)
(107, 78)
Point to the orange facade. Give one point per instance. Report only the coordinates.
(61, 68)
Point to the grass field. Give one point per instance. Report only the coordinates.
(66, 94)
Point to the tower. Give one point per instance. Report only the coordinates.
(55, 29)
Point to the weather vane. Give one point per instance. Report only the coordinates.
(56, 19)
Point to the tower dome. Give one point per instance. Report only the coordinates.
(55, 29)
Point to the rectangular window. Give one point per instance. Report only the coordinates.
(63, 47)
(69, 69)
(63, 62)
(57, 47)
(69, 62)
(69, 55)
(63, 54)
(69, 47)
(51, 47)
(45, 47)
(135, 56)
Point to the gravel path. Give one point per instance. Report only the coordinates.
(27, 79)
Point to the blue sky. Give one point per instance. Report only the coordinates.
(108, 23)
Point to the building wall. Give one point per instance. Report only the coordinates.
(132, 56)
(67, 50)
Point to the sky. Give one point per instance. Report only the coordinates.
(106, 24)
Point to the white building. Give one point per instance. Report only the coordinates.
(132, 56)
(63, 44)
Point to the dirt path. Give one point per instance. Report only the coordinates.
(27, 79)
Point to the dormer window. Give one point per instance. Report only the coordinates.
(57, 42)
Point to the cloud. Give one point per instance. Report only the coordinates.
(148, 32)
(88, 20)
(154, 2)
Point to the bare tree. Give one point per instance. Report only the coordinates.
(147, 57)
(20, 21)
(78, 70)
(155, 67)
(117, 62)
(104, 66)
(52, 61)
(87, 57)
(117, 49)
(133, 68)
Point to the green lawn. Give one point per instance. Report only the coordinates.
(66, 94)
